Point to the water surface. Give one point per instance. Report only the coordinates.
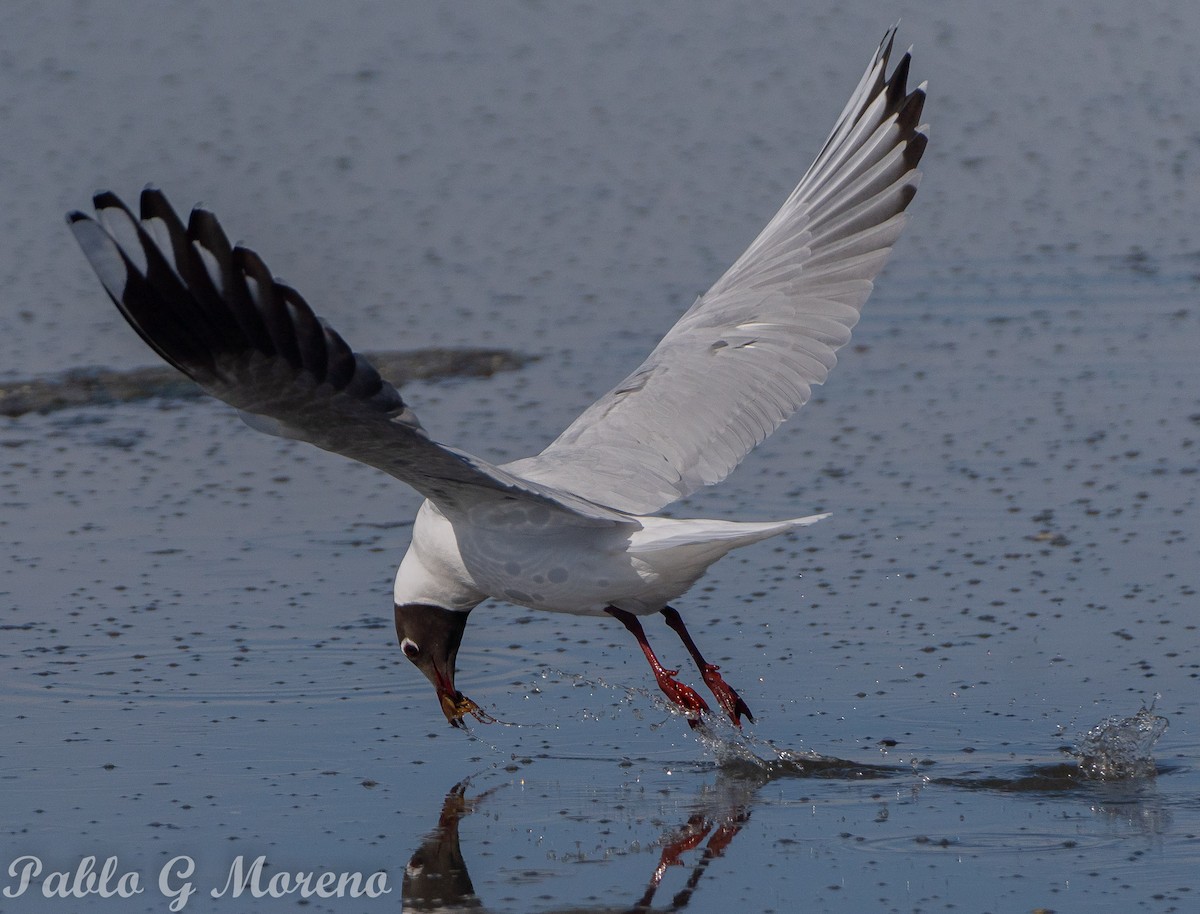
(196, 652)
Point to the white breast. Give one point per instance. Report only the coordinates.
(572, 569)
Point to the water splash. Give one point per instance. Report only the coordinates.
(740, 755)
(1120, 748)
(1116, 749)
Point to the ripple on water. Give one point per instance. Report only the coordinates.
(984, 841)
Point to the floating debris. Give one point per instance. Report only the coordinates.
(81, 387)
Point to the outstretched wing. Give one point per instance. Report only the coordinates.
(746, 355)
(216, 313)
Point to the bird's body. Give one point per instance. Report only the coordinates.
(574, 529)
(639, 565)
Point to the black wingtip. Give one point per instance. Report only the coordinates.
(151, 198)
(897, 84)
(908, 115)
(104, 199)
(202, 219)
(915, 149)
(76, 216)
(885, 46)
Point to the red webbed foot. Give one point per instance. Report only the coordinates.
(681, 695)
(726, 696)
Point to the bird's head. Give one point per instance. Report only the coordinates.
(429, 636)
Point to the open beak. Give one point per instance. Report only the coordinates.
(451, 700)
(456, 705)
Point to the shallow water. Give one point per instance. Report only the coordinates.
(196, 651)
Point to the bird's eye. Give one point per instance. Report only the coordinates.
(410, 648)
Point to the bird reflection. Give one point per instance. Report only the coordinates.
(686, 838)
(436, 878)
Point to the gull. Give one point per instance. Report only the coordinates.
(574, 529)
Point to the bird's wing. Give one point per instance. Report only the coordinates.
(215, 312)
(747, 353)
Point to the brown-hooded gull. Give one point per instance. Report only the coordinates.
(572, 529)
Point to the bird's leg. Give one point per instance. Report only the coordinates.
(682, 695)
(726, 696)
(688, 838)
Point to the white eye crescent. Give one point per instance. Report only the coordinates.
(410, 648)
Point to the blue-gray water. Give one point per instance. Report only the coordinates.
(196, 656)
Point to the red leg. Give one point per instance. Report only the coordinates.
(726, 696)
(683, 695)
(688, 839)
